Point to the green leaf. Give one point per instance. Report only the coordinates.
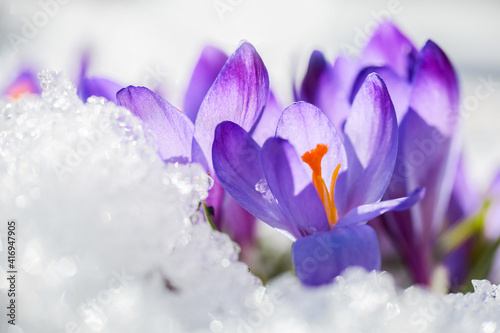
(208, 215)
(452, 239)
(482, 262)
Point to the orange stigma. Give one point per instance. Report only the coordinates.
(313, 159)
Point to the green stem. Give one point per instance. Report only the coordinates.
(461, 232)
(208, 216)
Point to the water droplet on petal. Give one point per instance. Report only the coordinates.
(261, 186)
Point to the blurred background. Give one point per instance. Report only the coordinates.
(156, 43)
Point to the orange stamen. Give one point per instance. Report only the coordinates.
(313, 159)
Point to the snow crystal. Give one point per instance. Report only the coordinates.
(109, 239)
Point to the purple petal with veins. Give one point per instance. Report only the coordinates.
(238, 166)
(364, 213)
(435, 90)
(305, 126)
(266, 128)
(173, 130)
(389, 47)
(371, 142)
(398, 87)
(288, 181)
(206, 71)
(239, 94)
(319, 258)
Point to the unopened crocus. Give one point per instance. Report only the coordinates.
(332, 87)
(428, 156)
(95, 86)
(316, 187)
(87, 86)
(424, 89)
(207, 68)
(239, 94)
(25, 83)
(465, 202)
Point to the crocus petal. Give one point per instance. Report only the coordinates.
(26, 82)
(435, 89)
(208, 67)
(297, 197)
(318, 67)
(237, 222)
(98, 87)
(84, 64)
(371, 143)
(428, 159)
(325, 86)
(362, 214)
(421, 161)
(238, 166)
(494, 190)
(399, 88)
(457, 264)
(423, 157)
(173, 130)
(415, 250)
(94, 86)
(305, 126)
(239, 94)
(319, 258)
(345, 71)
(197, 155)
(465, 198)
(388, 46)
(464, 201)
(266, 128)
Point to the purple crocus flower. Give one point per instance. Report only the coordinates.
(239, 94)
(208, 67)
(24, 83)
(27, 82)
(424, 89)
(95, 86)
(284, 183)
(464, 202)
(332, 87)
(428, 156)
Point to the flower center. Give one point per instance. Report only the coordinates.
(313, 159)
